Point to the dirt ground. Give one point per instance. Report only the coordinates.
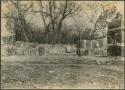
(60, 73)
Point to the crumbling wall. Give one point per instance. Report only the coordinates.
(25, 48)
(88, 47)
(94, 47)
(59, 49)
(35, 49)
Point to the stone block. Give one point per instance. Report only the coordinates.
(26, 52)
(61, 50)
(94, 44)
(68, 49)
(101, 52)
(31, 45)
(33, 52)
(100, 43)
(41, 51)
(19, 51)
(88, 44)
(84, 52)
(82, 44)
(19, 44)
(54, 51)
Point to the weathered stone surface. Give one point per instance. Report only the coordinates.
(19, 51)
(57, 51)
(31, 45)
(26, 52)
(61, 50)
(101, 52)
(104, 41)
(22, 44)
(88, 44)
(91, 52)
(98, 62)
(33, 52)
(68, 49)
(41, 51)
(94, 44)
(84, 52)
(83, 44)
(100, 43)
(19, 43)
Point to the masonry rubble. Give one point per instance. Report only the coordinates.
(35, 49)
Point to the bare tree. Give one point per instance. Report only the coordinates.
(18, 15)
(55, 12)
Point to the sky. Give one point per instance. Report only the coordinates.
(37, 20)
(81, 18)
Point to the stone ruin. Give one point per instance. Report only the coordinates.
(98, 46)
(22, 48)
(94, 47)
(103, 43)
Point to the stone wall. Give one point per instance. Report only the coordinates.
(25, 48)
(58, 49)
(88, 47)
(35, 49)
(94, 47)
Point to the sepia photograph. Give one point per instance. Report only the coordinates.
(62, 44)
